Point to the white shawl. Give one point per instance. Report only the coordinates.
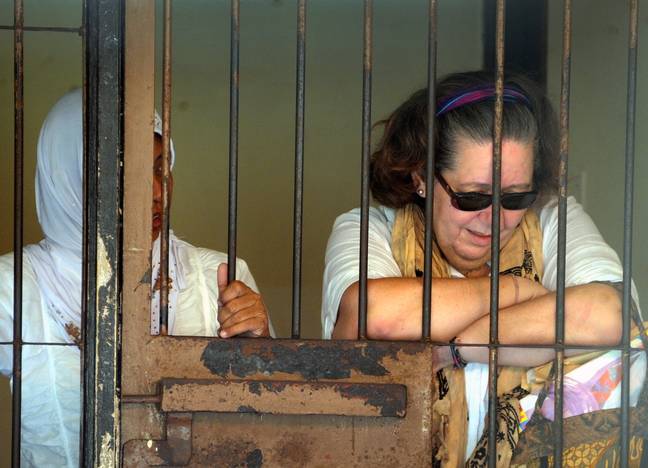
(56, 260)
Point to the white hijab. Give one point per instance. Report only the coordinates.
(56, 260)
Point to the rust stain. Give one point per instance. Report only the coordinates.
(295, 450)
(229, 452)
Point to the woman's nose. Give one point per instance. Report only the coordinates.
(486, 214)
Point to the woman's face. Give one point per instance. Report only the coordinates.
(157, 186)
(464, 237)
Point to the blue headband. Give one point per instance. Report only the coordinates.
(477, 95)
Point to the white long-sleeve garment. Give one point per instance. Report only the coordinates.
(589, 258)
(51, 305)
(51, 399)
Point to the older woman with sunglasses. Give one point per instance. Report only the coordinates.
(462, 238)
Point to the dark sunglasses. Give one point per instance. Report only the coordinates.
(476, 201)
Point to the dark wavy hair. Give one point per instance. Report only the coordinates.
(403, 146)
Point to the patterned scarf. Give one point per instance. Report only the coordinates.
(521, 256)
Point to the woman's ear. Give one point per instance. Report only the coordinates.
(419, 184)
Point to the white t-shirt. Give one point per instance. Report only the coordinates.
(588, 258)
(51, 374)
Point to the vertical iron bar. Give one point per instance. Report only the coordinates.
(627, 233)
(84, 230)
(89, 287)
(233, 139)
(367, 65)
(429, 170)
(18, 232)
(562, 236)
(166, 171)
(299, 169)
(495, 233)
(104, 110)
(85, 254)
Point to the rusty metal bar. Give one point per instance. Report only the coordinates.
(562, 236)
(627, 232)
(429, 170)
(439, 343)
(16, 430)
(85, 254)
(367, 66)
(104, 130)
(166, 170)
(44, 343)
(89, 248)
(233, 139)
(299, 169)
(78, 31)
(284, 397)
(495, 233)
(141, 399)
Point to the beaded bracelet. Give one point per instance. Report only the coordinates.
(457, 361)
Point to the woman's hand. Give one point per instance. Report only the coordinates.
(241, 310)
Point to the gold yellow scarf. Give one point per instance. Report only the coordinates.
(521, 256)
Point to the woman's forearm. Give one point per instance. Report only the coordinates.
(592, 317)
(395, 304)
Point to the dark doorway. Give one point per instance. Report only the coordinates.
(525, 42)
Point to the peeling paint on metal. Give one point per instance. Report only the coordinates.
(246, 409)
(255, 387)
(104, 270)
(309, 360)
(107, 456)
(391, 400)
(254, 459)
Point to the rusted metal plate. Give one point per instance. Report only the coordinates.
(282, 397)
(305, 439)
(276, 359)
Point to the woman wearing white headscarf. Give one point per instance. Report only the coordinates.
(51, 400)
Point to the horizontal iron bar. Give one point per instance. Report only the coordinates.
(79, 30)
(140, 399)
(37, 343)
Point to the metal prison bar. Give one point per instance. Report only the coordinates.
(495, 233)
(102, 48)
(102, 34)
(562, 234)
(18, 230)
